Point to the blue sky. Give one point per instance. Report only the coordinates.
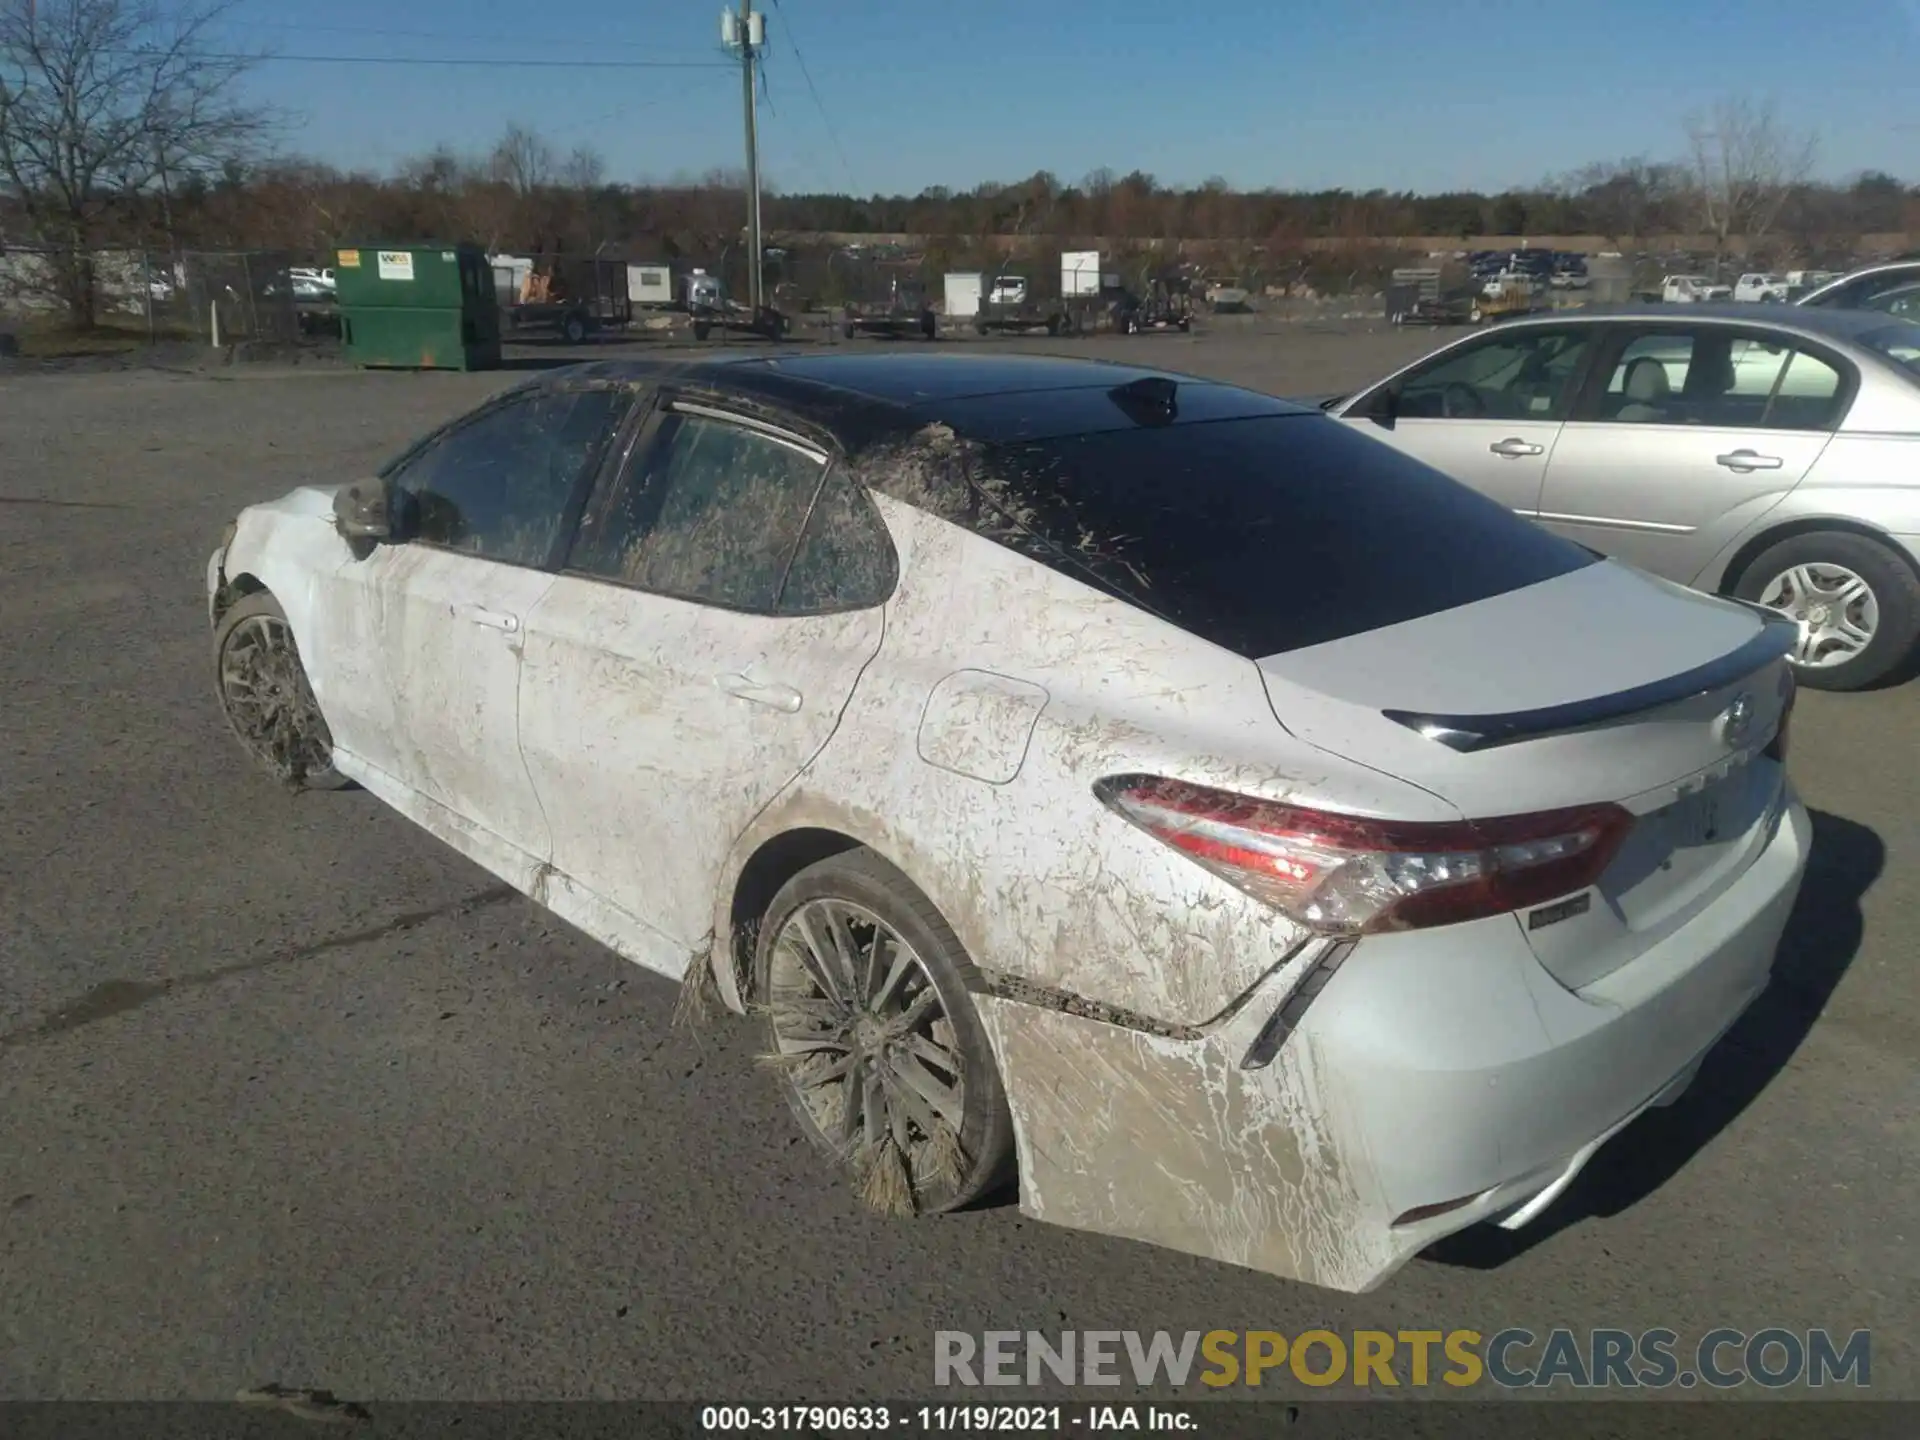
(1405, 94)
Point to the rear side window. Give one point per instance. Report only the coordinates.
(1266, 535)
(711, 512)
(1714, 378)
(846, 559)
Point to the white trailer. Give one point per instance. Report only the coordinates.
(651, 286)
(963, 294)
(1079, 274)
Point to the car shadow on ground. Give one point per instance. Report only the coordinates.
(1822, 937)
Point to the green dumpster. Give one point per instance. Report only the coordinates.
(418, 307)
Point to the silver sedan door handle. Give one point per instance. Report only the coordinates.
(757, 692)
(1744, 460)
(1514, 449)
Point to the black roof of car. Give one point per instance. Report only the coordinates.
(990, 396)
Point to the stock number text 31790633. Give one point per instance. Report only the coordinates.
(905, 1419)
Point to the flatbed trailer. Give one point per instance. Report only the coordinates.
(766, 322)
(1023, 317)
(905, 311)
(577, 298)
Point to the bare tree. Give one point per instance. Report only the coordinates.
(523, 161)
(1625, 200)
(1745, 165)
(104, 105)
(585, 169)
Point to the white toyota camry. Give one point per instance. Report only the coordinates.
(1261, 844)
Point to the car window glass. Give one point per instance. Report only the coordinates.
(710, 512)
(1902, 301)
(1722, 380)
(1757, 368)
(1186, 521)
(498, 486)
(1900, 344)
(1527, 375)
(845, 560)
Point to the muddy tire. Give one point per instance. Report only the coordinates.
(1858, 604)
(265, 696)
(872, 1032)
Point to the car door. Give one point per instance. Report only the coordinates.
(426, 634)
(1686, 435)
(715, 612)
(1488, 412)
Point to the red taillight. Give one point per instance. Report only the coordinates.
(1346, 874)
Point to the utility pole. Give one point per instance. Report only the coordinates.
(749, 32)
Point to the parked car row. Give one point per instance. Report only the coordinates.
(1256, 840)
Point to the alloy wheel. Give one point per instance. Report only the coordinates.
(866, 1041)
(269, 702)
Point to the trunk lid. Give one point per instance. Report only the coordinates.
(1604, 685)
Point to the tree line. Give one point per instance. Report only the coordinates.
(122, 126)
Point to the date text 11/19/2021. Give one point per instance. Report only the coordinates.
(941, 1419)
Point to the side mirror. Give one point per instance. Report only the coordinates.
(364, 511)
(1384, 408)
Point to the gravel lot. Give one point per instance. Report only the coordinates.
(289, 1092)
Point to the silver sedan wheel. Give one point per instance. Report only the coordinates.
(1835, 609)
(865, 1039)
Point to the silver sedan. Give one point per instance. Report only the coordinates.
(1772, 455)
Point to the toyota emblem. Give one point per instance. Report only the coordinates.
(1737, 721)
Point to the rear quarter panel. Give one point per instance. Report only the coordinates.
(1869, 480)
(1038, 879)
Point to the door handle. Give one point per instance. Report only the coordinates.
(773, 695)
(1514, 449)
(495, 620)
(1749, 460)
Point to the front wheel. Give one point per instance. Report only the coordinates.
(1856, 602)
(873, 1031)
(266, 698)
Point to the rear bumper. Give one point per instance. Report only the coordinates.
(1435, 1067)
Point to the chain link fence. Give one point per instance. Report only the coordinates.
(224, 296)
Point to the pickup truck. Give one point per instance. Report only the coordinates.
(1692, 289)
(1756, 287)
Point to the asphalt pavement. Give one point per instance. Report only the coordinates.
(291, 1093)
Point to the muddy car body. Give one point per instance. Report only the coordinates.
(940, 710)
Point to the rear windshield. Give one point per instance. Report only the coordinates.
(1266, 535)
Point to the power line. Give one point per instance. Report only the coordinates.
(382, 32)
(502, 63)
(833, 135)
